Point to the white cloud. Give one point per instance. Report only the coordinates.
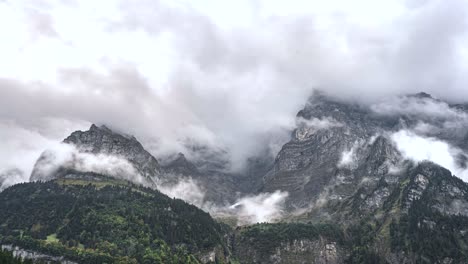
(67, 156)
(419, 107)
(185, 189)
(20, 147)
(419, 148)
(348, 156)
(318, 123)
(264, 207)
(249, 209)
(307, 127)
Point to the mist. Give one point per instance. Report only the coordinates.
(67, 156)
(247, 209)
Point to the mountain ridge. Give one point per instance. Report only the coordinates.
(349, 185)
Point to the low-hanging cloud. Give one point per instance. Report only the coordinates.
(21, 147)
(307, 127)
(420, 148)
(185, 189)
(421, 107)
(264, 207)
(66, 156)
(249, 209)
(171, 73)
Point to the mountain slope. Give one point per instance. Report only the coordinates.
(95, 219)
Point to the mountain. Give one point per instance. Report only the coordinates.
(354, 194)
(342, 166)
(102, 140)
(126, 156)
(308, 166)
(339, 146)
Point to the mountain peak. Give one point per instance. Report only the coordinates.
(102, 140)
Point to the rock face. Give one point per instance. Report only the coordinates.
(335, 147)
(340, 150)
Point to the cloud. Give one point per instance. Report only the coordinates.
(428, 117)
(421, 107)
(186, 189)
(227, 76)
(21, 147)
(420, 148)
(348, 156)
(264, 207)
(249, 209)
(306, 127)
(67, 156)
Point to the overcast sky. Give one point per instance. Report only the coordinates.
(224, 73)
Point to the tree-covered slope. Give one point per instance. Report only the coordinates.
(106, 222)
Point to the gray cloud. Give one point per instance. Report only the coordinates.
(224, 87)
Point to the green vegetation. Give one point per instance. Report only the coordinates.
(52, 238)
(105, 223)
